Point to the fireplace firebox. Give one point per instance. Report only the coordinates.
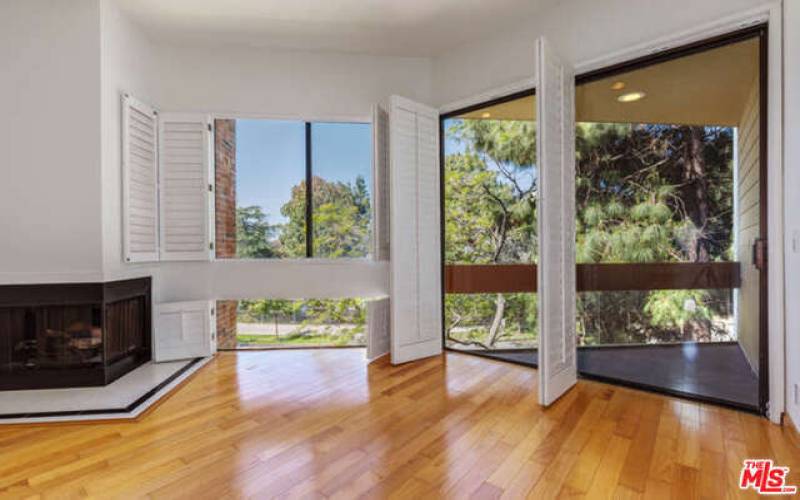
(73, 335)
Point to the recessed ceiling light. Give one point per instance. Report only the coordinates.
(631, 96)
(617, 85)
(486, 115)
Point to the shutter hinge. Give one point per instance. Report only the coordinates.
(211, 246)
(760, 253)
(210, 188)
(209, 126)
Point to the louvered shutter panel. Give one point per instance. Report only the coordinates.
(380, 175)
(183, 330)
(139, 181)
(555, 142)
(378, 318)
(186, 187)
(416, 308)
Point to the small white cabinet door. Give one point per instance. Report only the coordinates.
(183, 330)
(555, 143)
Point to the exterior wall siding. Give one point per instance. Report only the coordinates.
(747, 218)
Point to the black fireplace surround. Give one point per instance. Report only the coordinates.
(73, 335)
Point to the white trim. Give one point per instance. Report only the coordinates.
(699, 33)
(234, 115)
(316, 261)
(489, 95)
(35, 277)
(775, 225)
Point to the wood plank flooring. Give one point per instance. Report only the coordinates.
(322, 424)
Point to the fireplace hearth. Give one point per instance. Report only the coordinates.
(73, 335)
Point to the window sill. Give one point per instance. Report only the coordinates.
(314, 261)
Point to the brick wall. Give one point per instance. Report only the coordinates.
(226, 324)
(225, 199)
(225, 173)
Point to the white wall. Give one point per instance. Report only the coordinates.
(252, 82)
(580, 30)
(128, 65)
(50, 197)
(791, 56)
(285, 83)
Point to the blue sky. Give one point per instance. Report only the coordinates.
(270, 159)
(451, 146)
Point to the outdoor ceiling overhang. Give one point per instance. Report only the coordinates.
(708, 88)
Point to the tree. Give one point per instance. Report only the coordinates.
(254, 235)
(644, 193)
(652, 193)
(341, 220)
(490, 194)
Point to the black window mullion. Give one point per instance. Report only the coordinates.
(309, 194)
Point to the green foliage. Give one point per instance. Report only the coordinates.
(307, 311)
(254, 234)
(643, 194)
(490, 214)
(468, 318)
(300, 337)
(491, 199)
(637, 201)
(674, 308)
(293, 234)
(341, 219)
(310, 321)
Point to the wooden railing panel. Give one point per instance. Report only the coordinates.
(521, 278)
(500, 278)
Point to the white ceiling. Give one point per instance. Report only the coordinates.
(421, 28)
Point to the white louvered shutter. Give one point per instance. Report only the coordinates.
(416, 300)
(139, 181)
(186, 187)
(183, 330)
(380, 175)
(555, 142)
(378, 319)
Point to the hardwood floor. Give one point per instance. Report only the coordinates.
(320, 423)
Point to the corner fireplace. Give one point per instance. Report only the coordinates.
(73, 335)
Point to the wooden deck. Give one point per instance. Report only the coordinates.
(319, 423)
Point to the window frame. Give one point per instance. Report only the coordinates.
(307, 122)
